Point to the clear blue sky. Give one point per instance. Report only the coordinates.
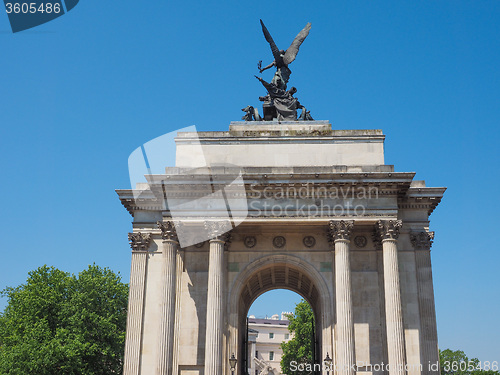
(79, 94)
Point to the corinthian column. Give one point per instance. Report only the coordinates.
(215, 313)
(340, 233)
(167, 298)
(139, 242)
(422, 242)
(388, 233)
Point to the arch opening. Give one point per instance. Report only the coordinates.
(269, 277)
(268, 327)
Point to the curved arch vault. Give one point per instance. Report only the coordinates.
(277, 272)
(279, 276)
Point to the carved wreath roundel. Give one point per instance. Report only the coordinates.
(360, 241)
(279, 242)
(250, 241)
(199, 244)
(309, 241)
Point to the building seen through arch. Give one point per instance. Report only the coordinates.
(265, 336)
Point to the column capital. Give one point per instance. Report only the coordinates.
(421, 240)
(139, 241)
(339, 230)
(387, 230)
(168, 232)
(218, 231)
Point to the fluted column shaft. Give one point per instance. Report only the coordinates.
(214, 324)
(386, 235)
(167, 297)
(345, 325)
(139, 243)
(393, 310)
(429, 351)
(178, 299)
(429, 346)
(167, 308)
(340, 232)
(134, 315)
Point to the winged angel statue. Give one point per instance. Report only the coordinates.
(283, 58)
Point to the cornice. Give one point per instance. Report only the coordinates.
(422, 198)
(280, 132)
(185, 186)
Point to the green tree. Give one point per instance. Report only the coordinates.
(57, 323)
(299, 348)
(457, 363)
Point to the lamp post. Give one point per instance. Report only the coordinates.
(232, 363)
(327, 361)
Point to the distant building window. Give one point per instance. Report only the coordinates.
(271, 335)
(256, 354)
(287, 336)
(271, 356)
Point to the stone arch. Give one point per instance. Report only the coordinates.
(279, 271)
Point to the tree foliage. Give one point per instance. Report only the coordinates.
(57, 323)
(457, 363)
(300, 347)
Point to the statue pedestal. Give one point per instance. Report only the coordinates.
(280, 143)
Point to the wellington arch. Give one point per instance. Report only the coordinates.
(280, 204)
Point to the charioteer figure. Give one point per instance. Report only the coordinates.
(284, 103)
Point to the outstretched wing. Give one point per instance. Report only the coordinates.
(269, 38)
(292, 51)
